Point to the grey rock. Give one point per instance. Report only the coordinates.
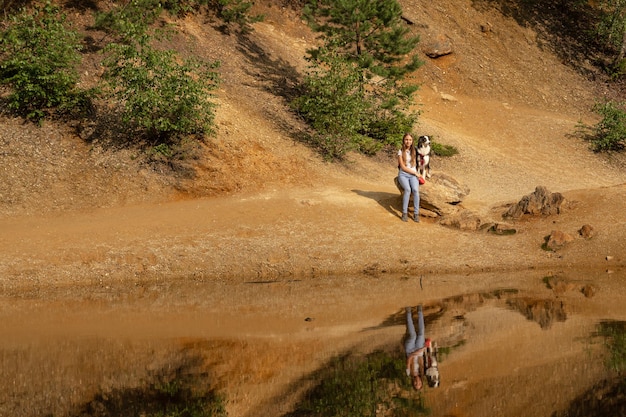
(437, 47)
(540, 202)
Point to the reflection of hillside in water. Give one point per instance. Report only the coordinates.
(447, 318)
(544, 312)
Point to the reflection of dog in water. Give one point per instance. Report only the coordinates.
(423, 151)
(431, 364)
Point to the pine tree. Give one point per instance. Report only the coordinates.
(367, 38)
(368, 32)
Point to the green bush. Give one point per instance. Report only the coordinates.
(366, 145)
(38, 62)
(610, 22)
(443, 150)
(610, 133)
(238, 12)
(333, 104)
(229, 11)
(344, 116)
(161, 97)
(131, 21)
(386, 125)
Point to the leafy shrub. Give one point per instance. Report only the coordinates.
(163, 98)
(386, 125)
(131, 21)
(163, 149)
(331, 146)
(610, 21)
(443, 150)
(345, 117)
(38, 61)
(610, 133)
(333, 104)
(238, 12)
(366, 145)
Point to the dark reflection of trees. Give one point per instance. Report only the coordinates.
(376, 384)
(607, 397)
(178, 389)
(452, 307)
(361, 386)
(614, 333)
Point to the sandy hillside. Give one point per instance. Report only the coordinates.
(511, 115)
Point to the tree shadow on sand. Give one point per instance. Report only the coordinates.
(391, 202)
(563, 27)
(277, 77)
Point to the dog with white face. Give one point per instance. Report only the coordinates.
(423, 150)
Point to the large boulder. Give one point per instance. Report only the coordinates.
(462, 219)
(440, 194)
(557, 239)
(540, 202)
(437, 46)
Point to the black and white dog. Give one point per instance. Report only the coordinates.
(423, 152)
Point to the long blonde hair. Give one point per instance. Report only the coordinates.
(412, 150)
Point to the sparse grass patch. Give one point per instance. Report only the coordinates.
(443, 150)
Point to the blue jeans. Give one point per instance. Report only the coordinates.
(409, 184)
(414, 340)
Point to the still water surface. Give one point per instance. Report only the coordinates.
(510, 344)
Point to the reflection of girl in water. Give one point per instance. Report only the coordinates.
(414, 347)
(417, 349)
